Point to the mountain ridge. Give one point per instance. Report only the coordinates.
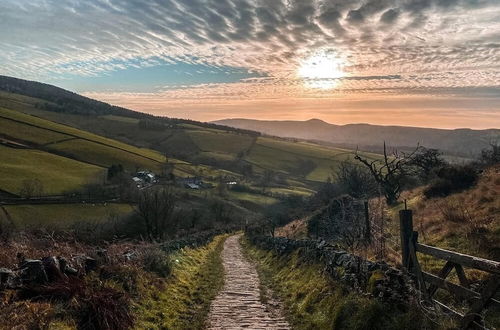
(464, 142)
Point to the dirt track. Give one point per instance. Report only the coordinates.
(238, 305)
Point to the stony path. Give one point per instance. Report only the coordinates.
(238, 305)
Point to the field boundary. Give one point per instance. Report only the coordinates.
(79, 137)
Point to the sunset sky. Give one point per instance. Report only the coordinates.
(432, 63)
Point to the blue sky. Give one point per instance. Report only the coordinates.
(156, 76)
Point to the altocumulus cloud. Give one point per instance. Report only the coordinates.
(401, 44)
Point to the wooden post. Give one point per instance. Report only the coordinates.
(368, 229)
(406, 230)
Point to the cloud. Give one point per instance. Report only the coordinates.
(422, 43)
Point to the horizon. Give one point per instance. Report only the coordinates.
(433, 64)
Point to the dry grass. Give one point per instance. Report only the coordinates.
(296, 229)
(467, 222)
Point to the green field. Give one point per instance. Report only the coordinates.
(103, 155)
(121, 119)
(57, 174)
(64, 215)
(220, 142)
(260, 200)
(285, 156)
(27, 133)
(63, 129)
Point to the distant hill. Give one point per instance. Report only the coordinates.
(41, 117)
(458, 142)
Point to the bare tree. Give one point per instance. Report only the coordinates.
(355, 180)
(426, 161)
(156, 208)
(389, 173)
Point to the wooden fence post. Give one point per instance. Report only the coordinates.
(406, 229)
(368, 229)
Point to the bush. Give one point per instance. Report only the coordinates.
(105, 308)
(452, 179)
(157, 261)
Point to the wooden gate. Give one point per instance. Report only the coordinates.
(430, 283)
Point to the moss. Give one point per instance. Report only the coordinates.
(184, 301)
(314, 301)
(372, 281)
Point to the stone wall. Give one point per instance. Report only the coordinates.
(377, 279)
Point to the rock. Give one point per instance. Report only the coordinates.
(90, 264)
(66, 267)
(7, 279)
(52, 268)
(32, 271)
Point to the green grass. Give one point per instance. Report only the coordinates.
(63, 129)
(257, 199)
(103, 155)
(57, 174)
(184, 302)
(121, 119)
(314, 301)
(64, 215)
(220, 142)
(284, 156)
(27, 133)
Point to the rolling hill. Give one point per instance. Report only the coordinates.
(70, 125)
(457, 142)
(68, 142)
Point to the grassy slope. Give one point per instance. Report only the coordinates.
(313, 301)
(265, 153)
(64, 215)
(466, 222)
(281, 155)
(57, 174)
(185, 300)
(64, 129)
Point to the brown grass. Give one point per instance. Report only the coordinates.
(296, 229)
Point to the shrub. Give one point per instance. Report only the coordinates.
(158, 262)
(105, 308)
(452, 179)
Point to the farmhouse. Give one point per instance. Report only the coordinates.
(146, 176)
(192, 183)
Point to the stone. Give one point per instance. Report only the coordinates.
(90, 264)
(52, 268)
(32, 271)
(7, 279)
(66, 267)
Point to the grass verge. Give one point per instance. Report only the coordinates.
(314, 301)
(184, 302)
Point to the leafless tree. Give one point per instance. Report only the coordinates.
(390, 172)
(156, 208)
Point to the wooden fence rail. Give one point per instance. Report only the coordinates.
(430, 283)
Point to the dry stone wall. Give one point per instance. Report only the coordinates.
(376, 279)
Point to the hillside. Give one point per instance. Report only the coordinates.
(457, 142)
(147, 139)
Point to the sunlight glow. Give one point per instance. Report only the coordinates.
(321, 70)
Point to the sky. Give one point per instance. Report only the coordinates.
(430, 63)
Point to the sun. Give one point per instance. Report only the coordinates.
(321, 70)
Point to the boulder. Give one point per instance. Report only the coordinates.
(66, 267)
(7, 279)
(90, 264)
(52, 268)
(32, 271)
